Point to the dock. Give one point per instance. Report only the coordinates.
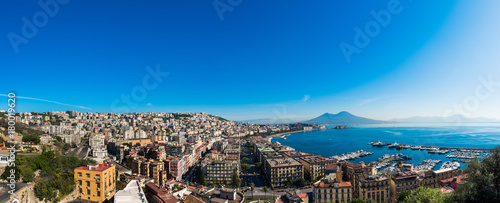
(426, 147)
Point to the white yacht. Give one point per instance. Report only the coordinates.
(394, 145)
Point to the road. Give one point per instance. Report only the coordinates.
(252, 175)
(4, 190)
(82, 153)
(259, 192)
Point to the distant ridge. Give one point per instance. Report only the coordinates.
(342, 118)
(448, 119)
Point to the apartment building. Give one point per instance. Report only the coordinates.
(280, 170)
(332, 190)
(403, 180)
(374, 187)
(314, 166)
(220, 171)
(96, 182)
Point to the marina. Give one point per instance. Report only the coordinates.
(449, 164)
(415, 142)
(352, 155)
(430, 149)
(428, 164)
(387, 160)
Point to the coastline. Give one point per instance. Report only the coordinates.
(270, 137)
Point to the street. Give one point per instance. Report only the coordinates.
(259, 192)
(4, 190)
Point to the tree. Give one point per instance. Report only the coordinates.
(265, 191)
(483, 180)
(402, 196)
(423, 194)
(245, 167)
(357, 200)
(34, 139)
(66, 146)
(28, 175)
(299, 182)
(252, 185)
(258, 164)
(137, 144)
(201, 176)
(235, 179)
(244, 159)
(289, 182)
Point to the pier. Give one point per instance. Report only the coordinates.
(425, 147)
(352, 155)
(387, 160)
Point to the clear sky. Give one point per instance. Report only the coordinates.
(254, 59)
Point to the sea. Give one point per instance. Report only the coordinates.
(331, 142)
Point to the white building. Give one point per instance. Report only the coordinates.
(132, 193)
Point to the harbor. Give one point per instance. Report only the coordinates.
(387, 160)
(417, 144)
(431, 149)
(428, 164)
(352, 155)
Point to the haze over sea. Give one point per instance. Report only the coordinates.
(332, 142)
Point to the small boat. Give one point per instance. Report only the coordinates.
(416, 147)
(394, 145)
(378, 144)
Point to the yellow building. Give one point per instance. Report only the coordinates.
(374, 187)
(331, 189)
(314, 166)
(96, 182)
(281, 170)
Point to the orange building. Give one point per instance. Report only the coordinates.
(96, 182)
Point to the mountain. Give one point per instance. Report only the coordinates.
(342, 118)
(449, 119)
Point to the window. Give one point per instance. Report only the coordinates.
(81, 190)
(98, 193)
(80, 182)
(88, 175)
(80, 174)
(98, 185)
(88, 184)
(88, 191)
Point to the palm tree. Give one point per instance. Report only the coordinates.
(252, 185)
(265, 191)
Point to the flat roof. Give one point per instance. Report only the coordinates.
(317, 159)
(283, 162)
(444, 170)
(97, 167)
(131, 193)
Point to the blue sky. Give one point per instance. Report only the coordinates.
(263, 59)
